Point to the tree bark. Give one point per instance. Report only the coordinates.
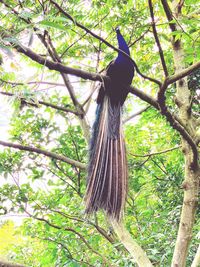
(192, 173)
(196, 261)
(131, 245)
(7, 264)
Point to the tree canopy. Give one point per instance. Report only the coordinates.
(53, 55)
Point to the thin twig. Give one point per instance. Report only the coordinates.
(47, 104)
(156, 153)
(139, 38)
(136, 114)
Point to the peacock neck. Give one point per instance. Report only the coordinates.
(121, 58)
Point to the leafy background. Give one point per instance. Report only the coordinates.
(49, 193)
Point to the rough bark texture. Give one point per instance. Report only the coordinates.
(129, 243)
(192, 173)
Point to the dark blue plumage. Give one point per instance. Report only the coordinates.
(107, 170)
(121, 72)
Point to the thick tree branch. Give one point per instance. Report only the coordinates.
(57, 66)
(8, 264)
(97, 77)
(77, 72)
(169, 80)
(177, 76)
(147, 98)
(157, 39)
(191, 179)
(45, 153)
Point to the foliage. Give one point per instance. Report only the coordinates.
(49, 192)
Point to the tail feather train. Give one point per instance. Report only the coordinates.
(107, 171)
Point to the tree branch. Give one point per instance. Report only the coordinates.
(156, 153)
(157, 39)
(196, 261)
(139, 38)
(8, 264)
(183, 132)
(77, 72)
(67, 110)
(136, 114)
(97, 227)
(45, 153)
(169, 15)
(66, 248)
(177, 76)
(33, 82)
(147, 98)
(69, 230)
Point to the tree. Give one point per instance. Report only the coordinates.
(67, 46)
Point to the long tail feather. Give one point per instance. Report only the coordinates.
(107, 170)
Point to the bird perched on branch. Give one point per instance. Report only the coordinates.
(107, 170)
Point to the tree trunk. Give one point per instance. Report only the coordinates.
(192, 172)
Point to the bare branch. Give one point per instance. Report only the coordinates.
(67, 110)
(139, 38)
(157, 39)
(168, 15)
(182, 74)
(156, 153)
(45, 153)
(136, 114)
(33, 82)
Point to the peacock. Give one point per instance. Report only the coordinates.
(107, 169)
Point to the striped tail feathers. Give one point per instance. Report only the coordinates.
(107, 172)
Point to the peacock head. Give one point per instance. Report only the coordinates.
(117, 29)
(121, 44)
